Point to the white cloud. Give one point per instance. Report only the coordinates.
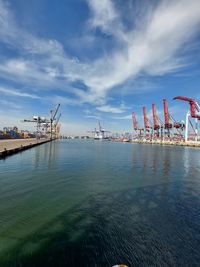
(126, 117)
(154, 49)
(104, 15)
(63, 100)
(9, 104)
(14, 92)
(153, 46)
(12, 34)
(92, 117)
(26, 72)
(111, 109)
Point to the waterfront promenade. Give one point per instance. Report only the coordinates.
(12, 146)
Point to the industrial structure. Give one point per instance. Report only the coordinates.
(45, 127)
(15, 133)
(169, 129)
(99, 133)
(193, 112)
(154, 128)
(54, 126)
(49, 128)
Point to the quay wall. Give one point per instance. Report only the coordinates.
(12, 146)
(172, 143)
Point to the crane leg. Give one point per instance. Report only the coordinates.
(186, 126)
(196, 130)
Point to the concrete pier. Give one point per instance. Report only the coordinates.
(171, 143)
(12, 146)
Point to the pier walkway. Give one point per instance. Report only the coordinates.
(11, 146)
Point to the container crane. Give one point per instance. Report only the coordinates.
(194, 106)
(39, 122)
(155, 118)
(194, 112)
(57, 120)
(135, 126)
(167, 122)
(146, 121)
(156, 126)
(57, 128)
(99, 133)
(45, 123)
(53, 117)
(134, 121)
(170, 123)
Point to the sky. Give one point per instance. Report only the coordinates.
(100, 59)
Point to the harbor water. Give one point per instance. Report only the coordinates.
(100, 203)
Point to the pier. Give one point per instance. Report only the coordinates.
(13, 146)
(168, 142)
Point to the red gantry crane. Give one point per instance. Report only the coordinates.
(135, 126)
(170, 123)
(134, 121)
(167, 122)
(194, 112)
(155, 120)
(146, 121)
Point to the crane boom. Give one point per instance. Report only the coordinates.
(194, 107)
(134, 121)
(194, 113)
(99, 125)
(166, 115)
(184, 98)
(57, 120)
(55, 113)
(146, 121)
(155, 118)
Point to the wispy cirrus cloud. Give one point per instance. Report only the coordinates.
(14, 92)
(151, 47)
(16, 36)
(111, 109)
(105, 16)
(92, 117)
(125, 117)
(9, 104)
(154, 47)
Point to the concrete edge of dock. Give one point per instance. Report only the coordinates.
(168, 143)
(15, 150)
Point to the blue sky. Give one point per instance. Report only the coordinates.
(99, 59)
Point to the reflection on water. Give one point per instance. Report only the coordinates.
(90, 203)
(45, 154)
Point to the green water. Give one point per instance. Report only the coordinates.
(93, 203)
